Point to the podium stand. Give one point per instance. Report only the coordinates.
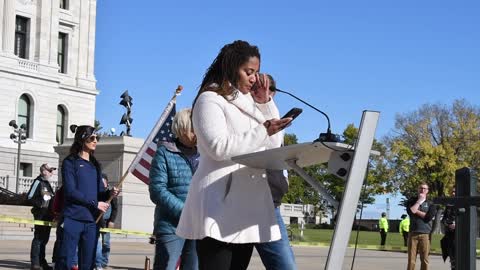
(305, 154)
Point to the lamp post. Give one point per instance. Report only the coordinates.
(18, 137)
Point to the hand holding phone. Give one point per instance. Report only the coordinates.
(293, 113)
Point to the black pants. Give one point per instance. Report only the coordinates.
(383, 236)
(451, 247)
(41, 234)
(213, 254)
(405, 238)
(57, 247)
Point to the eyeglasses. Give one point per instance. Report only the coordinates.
(92, 138)
(420, 188)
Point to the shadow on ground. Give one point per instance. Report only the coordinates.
(114, 267)
(14, 264)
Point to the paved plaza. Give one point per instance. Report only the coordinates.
(131, 255)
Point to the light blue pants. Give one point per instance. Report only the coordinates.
(170, 248)
(277, 255)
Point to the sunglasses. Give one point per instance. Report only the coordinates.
(92, 138)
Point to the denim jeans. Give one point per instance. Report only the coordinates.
(278, 254)
(170, 248)
(103, 250)
(41, 234)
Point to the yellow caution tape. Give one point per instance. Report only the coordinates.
(54, 224)
(119, 231)
(27, 221)
(126, 232)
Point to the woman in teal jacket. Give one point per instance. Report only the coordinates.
(170, 175)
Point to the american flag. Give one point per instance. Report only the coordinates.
(140, 167)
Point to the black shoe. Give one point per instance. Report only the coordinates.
(35, 267)
(45, 266)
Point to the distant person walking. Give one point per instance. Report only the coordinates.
(404, 228)
(40, 196)
(421, 212)
(448, 241)
(383, 225)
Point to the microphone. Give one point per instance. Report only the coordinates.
(324, 137)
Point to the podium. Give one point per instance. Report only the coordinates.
(305, 154)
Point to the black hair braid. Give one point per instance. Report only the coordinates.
(224, 68)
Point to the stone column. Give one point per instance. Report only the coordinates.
(91, 40)
(53, 34)
(43, 40)
(8, 26)
(1, 24)
(84, 25)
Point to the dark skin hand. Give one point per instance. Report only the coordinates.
(262, 94)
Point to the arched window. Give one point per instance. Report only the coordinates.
(25, 114)
(60, 124)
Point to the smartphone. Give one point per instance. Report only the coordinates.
(293, 113)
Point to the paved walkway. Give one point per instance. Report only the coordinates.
(131, 255)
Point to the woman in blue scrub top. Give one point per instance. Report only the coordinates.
(85, 198)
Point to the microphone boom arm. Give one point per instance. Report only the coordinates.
(306, 103)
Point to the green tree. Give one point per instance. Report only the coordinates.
(429, 144)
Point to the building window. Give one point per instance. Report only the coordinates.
(26, 169)
(64, 4)
(62, 52)
(21, 36)
(60, 124)
(24, 113)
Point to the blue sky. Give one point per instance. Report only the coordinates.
(342, 56)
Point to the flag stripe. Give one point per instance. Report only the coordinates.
(142, 163)
(140, 176)
(145, 164)
(151, 151)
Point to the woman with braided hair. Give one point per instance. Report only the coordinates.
(229, 206)
(85, 198)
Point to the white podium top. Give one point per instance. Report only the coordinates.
(306, 154)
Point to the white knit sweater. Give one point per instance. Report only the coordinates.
(228, 201)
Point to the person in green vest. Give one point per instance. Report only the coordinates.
(383, 225)
(404, 228)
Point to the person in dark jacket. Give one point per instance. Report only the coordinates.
(41, 197)
(448, 241)
(421, 212)
(170, 175)
(107, 221)
(276, 254)
(85, 198)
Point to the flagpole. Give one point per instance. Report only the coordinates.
(145, 144)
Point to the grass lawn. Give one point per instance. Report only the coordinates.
(394, 239)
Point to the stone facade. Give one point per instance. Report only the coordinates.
(37, 76)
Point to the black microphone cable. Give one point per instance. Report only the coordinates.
(324, 137)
